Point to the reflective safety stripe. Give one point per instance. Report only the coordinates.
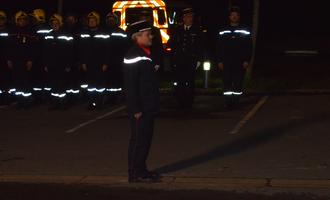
(58, 95)
(224, 32)
(175, 84)
(102, 36)
(4, 34)
(119, 34)
(84, 86)
(114, 89)
(45, 31)
(23, 94)
(237, 93)
(47, 89)
(135, 60)
(49, 37)
(1, 92)
(228, 93)
(26, 94)
(72, 91)
(63, 37)
(96, 90)
(85, 35)
(243, 32)
(37, 89)
(12, 90)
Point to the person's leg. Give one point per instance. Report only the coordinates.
(132, 145)
(228, 84)
(149, 131)
(190, 86)
(238, 79)
(180, 83)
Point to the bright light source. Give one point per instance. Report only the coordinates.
(207, 66)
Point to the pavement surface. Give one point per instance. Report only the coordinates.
(268, 146)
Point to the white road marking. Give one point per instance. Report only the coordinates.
(94, 120)
(249, 115)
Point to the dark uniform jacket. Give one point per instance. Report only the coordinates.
(141, 84)
(22, 45)
(93, 48)
(117, 46)
(4, 36)
(234, 44)
(186, 44)
(58, 50)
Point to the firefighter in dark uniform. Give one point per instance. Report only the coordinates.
(93, 58)
(58, 59)
(4, 71)
(118, 46)
(71, 27)
(233, 56)
(187, 49)
(142, 93)
(21, 57)
(42, 29)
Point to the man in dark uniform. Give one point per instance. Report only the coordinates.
(4, 71)
(187, 49)
(233, 56)
(21, 57)
(142, 93)
(72, 28)
(93, 48)
(118, 46)
(41, 29)
(58, 59)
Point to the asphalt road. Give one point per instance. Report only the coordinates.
(272, 138)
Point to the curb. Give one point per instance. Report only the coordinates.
(173, 183)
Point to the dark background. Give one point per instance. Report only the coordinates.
(283, 24)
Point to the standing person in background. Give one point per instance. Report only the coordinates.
(94, 64)
(117, 46)
(58, 59)
(21, 58)
(234, 48)
(186, 43)
(41, 28)
(5, 76)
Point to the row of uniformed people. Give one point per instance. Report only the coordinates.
(234, 47)
(70, 59)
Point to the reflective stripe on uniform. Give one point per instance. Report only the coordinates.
(62, 95)
(96, 90)
(119, 34)
(49, 37)
(4, 34)
(224, 32)
(45, 31)
(72, 91)
(102, 36)
(237, 93)
(85, 35)
(228, 93)
(63, 37)
(245, 32)
(114, 89)
(135, 60)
